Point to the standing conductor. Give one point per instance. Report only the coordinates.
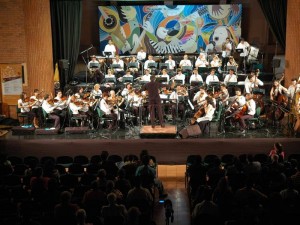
(153, 88)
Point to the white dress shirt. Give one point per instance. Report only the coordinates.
(25, 106)
(110, 48)
(210, 78)
(245, 47)
(105, 107)
(185, 62)
(201, 63)
(47, 107)
(147, 62)
(171, 63)
(251, 107)
(196, 77)
(180, 77)
(209, 113)
(230, 78)
(141, 55)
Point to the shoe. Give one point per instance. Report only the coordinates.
(153, 126)
(163, 195)
(243, 131)
(163, 125)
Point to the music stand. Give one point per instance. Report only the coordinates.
(162, 79)
(214, 85)
(232, 84)
(196, 83)
(132, 65)
(163, 66)
(231, 68)
(94, 65)
(115, 66)
(258, 91)
(152, 65)
(178, 81)
(142, 82)
(187, 69)
(202, 70)
(110, 80)
(107, 54)
(127, 80)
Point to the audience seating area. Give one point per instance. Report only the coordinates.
(243, 189)
(222, 190)
(49, 190)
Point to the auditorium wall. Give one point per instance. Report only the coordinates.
(26, 39)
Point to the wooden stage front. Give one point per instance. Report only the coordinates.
(168, 131)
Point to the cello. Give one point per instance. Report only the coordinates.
(198, 114)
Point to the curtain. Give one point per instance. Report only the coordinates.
(275, 13)
(66, 29)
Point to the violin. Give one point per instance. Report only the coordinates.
(241, 112)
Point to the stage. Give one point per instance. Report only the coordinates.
(168, 151)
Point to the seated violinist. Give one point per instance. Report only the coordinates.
(224, 95)
(36, 103)
(60, 101)
(107, 110)
(96, 93)
(247, 112)
(236, 102)
(199, 98)
(24, 107)
(49, 107)
(204, 114)
(79, 110)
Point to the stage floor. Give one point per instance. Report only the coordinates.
(128, 141)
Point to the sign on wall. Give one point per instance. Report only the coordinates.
(162, 29)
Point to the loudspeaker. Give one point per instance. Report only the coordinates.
(190, 131)
(23, 130)
(46, 131)
(276, 63)
(63, 64)
(76, 130)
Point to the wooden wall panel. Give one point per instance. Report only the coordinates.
(39, 45)
(292, 41)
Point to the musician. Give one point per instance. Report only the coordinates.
(256, 82)
(201, 61)
(292, 89)
(172, 65)
(199, 97)
(126, 90)
(127, 74)
(232, 62)
(230, 77)
(177, 96)
(209, 110)
(249, 113)
(61, 104)
(141, 55)
(119, 71)
(50, 110)
(215, 62)
(80, 93)
(108, 77)
(93, 64)
(24, 106)
(110, 47)
(212, 77)
(135, 101)
(108, 113)
(179, 76)
(36, 103)
(277, 90)
(297, 110)
(224, 95)
(165, 74)
(153, 88)
(245, 46)
(79, 110)
(134, 70)
(226, 51)
(96, 93)
(146, 76)
(185, 61)
(196, 77)
(150, 60)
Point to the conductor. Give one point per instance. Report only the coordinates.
(153, 88)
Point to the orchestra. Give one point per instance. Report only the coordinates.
(123, 91)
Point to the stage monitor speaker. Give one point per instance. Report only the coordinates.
(64, 64)
(275, 63)
(190, 131)
(23, 130)
(76, 130)
(46, 131)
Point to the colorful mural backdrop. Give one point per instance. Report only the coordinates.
(161, 29)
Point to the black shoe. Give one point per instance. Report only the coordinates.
(163, 125)
(153, 126)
